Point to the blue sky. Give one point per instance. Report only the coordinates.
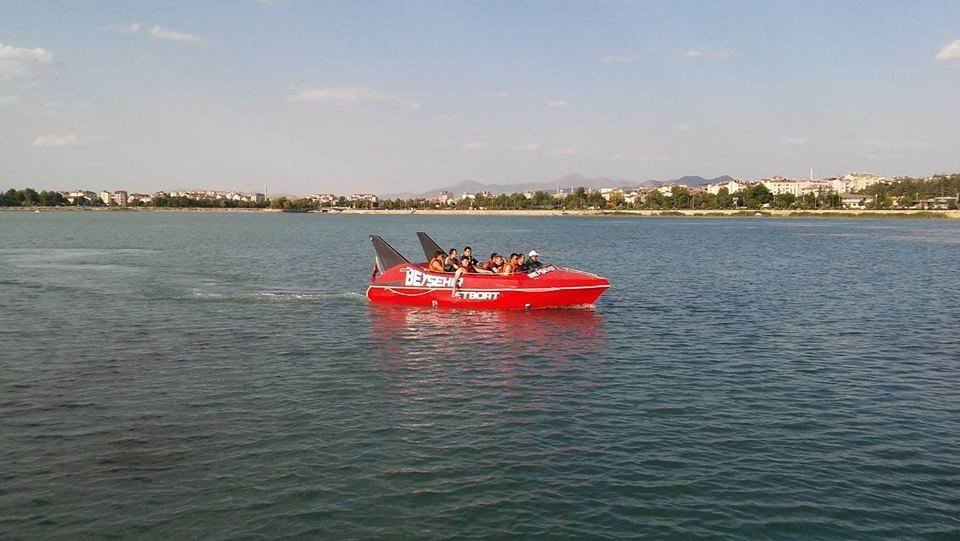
(406, 96)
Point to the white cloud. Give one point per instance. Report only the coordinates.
(10, 100)
(683, 127)
(503, 94)
(159, 32)
(443, 116)
(615, 59)
(474, 145)
(639, 157)
(128, 28)
(55, 141)
(793, 140)
(349, 95)
(557, 103)
(565, 151)
(22, 62)
(950, 52)
(695, 53)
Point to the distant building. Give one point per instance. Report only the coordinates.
(852, 201)
(75, 195)
(632, 197)
(445, 198)
(610, 193)
(104, 197)
(814, 187)
(666, 189)
(119, 198)
(732, 186)
(322, 198)
(363, 200)
(854, 182)
(782, 185)
(137, 198)
(938, 203)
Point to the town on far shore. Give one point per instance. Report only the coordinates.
(853, 191)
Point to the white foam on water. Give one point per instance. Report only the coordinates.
(278, 296)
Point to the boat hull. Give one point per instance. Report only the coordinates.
(549, 287)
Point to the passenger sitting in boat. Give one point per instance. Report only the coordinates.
(494, 264)
(510, 266)
(452, 262)
(468, 252)
(466, 267)
(521, 263)
(533, 262)
(436, 264)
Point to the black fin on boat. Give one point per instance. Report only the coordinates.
(429, 247)
(387, 257)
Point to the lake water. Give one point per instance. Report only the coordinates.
(217, 375)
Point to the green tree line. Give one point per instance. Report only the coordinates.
(28, 197)
(680, 198)
(881, 196)
(187, 202)
(911, 190)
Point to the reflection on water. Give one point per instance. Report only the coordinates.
(402, 333)
(470, 354)
(485, 384)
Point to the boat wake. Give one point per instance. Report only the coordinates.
(278, 296)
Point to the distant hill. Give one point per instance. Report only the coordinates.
(572, 180)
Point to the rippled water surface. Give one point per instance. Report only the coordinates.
(172, 375)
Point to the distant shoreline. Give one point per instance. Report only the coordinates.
(776, 213)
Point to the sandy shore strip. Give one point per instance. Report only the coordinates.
(908, 214)
(943, 214)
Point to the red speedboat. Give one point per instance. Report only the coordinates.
(396, 280)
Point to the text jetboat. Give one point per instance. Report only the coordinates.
(398, 281)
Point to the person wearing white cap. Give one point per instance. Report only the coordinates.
(532, 261)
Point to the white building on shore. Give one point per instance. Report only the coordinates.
(73, 196)
(362, 197)
(610, 193)
(446, 198)
(732, 186)
(137, 198)
(797, 188)
(324, 198)
(667, 189)
(855, 182)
